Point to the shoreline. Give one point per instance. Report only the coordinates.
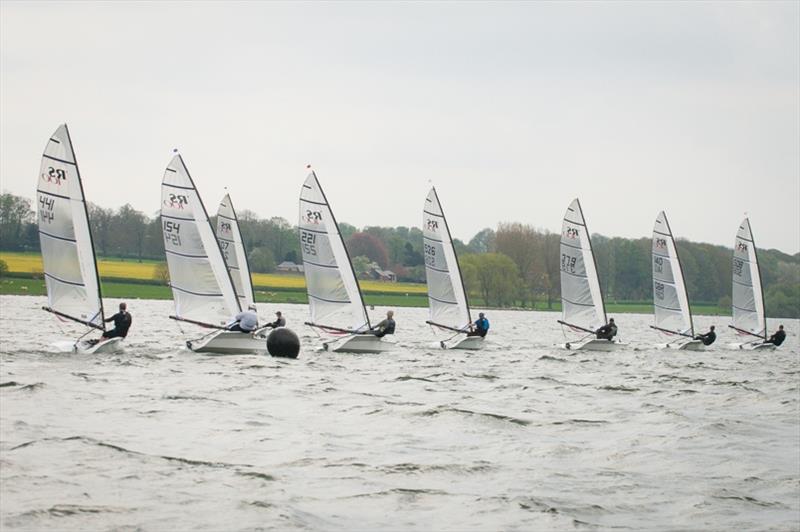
(28, 286)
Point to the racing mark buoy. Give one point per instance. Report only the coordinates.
(283, 342)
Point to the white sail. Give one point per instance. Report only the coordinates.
(234, 252)
(201, 285)
(670, 300)
(70, 270)
(447, 299)
(334, 297)
(748, 296)
(581, 298)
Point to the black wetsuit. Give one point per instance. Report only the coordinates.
(280, 322)
(385, 327)
(122, 322)
(777, 338)
(607, 332)
(708, 338)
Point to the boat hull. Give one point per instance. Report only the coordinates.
(690, 345)
(753, 347)
(593, 344)
(230, 343)
(111, 345)
(469, 343)
(359, 343)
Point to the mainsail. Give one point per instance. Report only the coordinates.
(201, 284)
(670, 300)
(748, 295)
(581, 298)
(447, 299)
(334, 297)
(70, 270)
(234, 252)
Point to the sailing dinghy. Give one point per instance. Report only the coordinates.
(447, 298)
(581, 298)
(233, 251)
(70, 267)
(334, 297)
(671, 310)
(202, 288)
(749, 317)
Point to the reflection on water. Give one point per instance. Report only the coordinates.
(519, 436)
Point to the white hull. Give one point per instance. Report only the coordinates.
(359, 343)
(470, 343)
(689, 345)
(230, 343)
(753, 347)
(112, 345)
(593, 344)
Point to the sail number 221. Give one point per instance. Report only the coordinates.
(309, 242)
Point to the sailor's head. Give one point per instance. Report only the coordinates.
(252, 307)
(389, 313)
(780, 327)
(278, 313)
(480, 314)
(610, 320)
(123, 306)
(712, 327)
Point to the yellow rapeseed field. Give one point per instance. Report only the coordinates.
(32, 263)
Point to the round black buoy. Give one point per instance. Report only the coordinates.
(283, 342)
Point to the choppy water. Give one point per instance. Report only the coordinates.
(520, 436)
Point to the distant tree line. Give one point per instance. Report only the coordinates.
(513, 265)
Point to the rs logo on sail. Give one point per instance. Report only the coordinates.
(313, 217)
(741, 246)
(433, 225)
(176, 201)
(54, 175)
(571, 233)
(661, 243)
(225, 227)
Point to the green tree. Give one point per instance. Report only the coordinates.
(15, 214)
(362, 264)
(491, 275)
(261, 260)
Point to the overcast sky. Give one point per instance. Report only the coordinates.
(510, 109)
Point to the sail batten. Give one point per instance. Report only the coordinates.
(748, 294)
(65, 237)
(581, 297)
(671, 308)
(447, 299)
(333, 290)
(202, 288)
(234, 252)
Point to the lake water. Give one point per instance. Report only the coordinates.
(520, 436)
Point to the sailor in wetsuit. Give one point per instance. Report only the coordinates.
(707, 338)
(480, 327)
(777, 338)
(385, 327)
(122, 322)
(607, 331)
(279, 322)
(246, 321)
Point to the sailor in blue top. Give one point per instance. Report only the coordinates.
(480, 327)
